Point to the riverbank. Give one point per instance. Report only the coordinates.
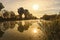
(2, 20)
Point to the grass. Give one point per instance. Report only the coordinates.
(51, 29)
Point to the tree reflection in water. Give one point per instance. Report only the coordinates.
(21, 27)
(17, 29)
(24, 27)
(11, 24)
(1, 33)
(5, 26)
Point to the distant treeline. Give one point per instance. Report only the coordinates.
(51, 17)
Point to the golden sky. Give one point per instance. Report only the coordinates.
(44, 5)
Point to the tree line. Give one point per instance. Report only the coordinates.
(51, 17)
(10, 15)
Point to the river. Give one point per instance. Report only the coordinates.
(22, 30)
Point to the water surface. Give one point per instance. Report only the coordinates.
(22, 30)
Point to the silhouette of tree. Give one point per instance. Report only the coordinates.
(1, 6)
(30, 16)
(21, 11)
(49, 17)
(26, 12)
(46, 17)
(12, 14)
(6, 14)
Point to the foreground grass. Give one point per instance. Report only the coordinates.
(51, 29)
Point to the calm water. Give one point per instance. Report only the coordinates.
(22, 30)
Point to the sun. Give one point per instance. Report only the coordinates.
(35, 7)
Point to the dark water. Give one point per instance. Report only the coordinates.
(22, 30)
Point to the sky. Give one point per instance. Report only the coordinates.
(44, 5)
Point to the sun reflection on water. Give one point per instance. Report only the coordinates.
(35, 30)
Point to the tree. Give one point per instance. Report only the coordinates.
(6, 14)
(1, 6)
(12, 14)
(30, 16)
(26, 13)
(21, 11)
